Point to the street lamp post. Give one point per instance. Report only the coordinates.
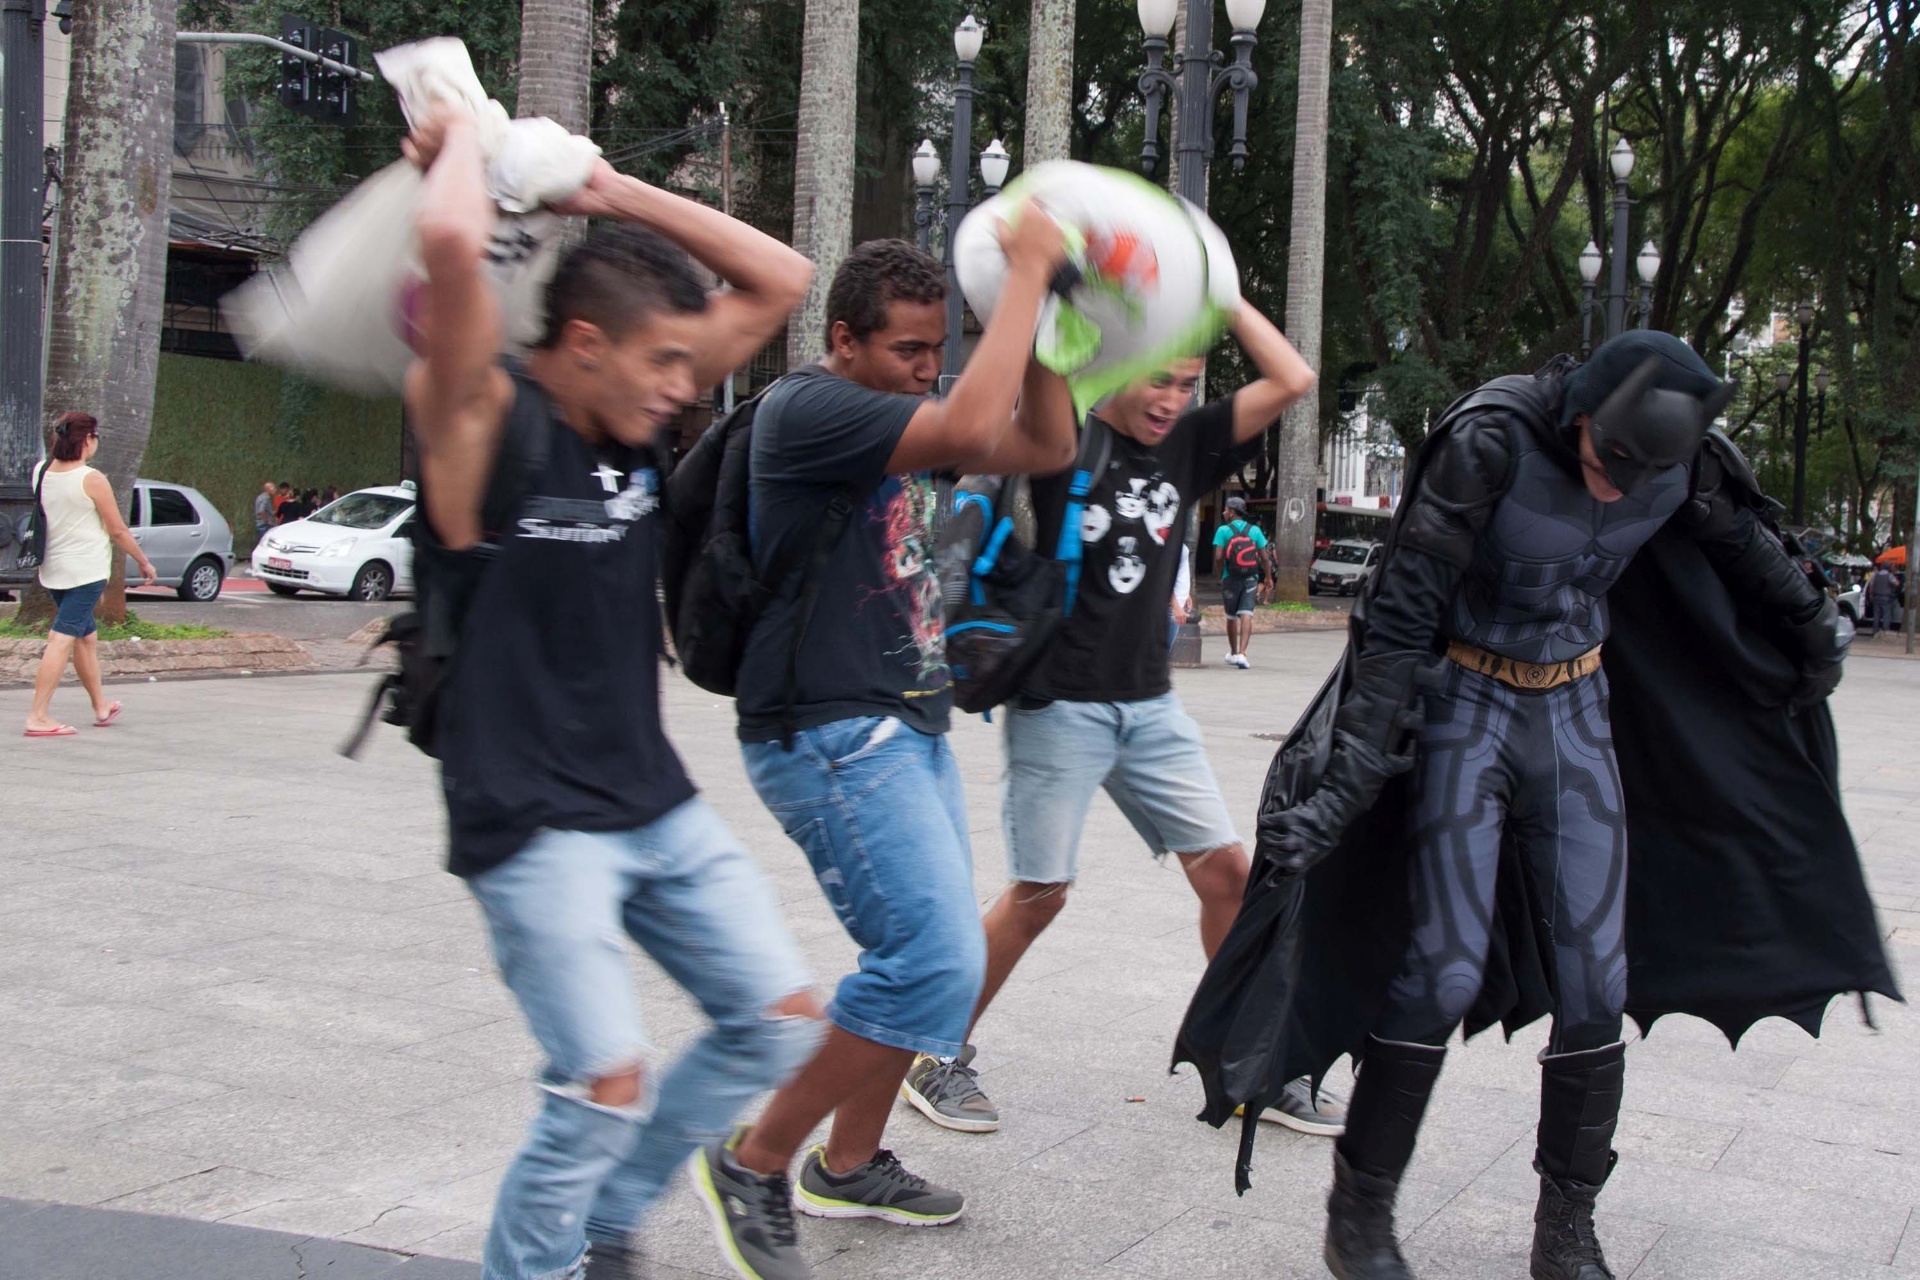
(1200, 73)
(1805, 314)
(926, 176)
(1618, 303)
(23, 172)
(967, 38)
(993, 167)
(1782, 383)
(1622, 162)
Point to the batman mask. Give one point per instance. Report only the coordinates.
(1649, 399)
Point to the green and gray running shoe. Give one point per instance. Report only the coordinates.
(948, 1093)
(881, 1188)
(752, 1214)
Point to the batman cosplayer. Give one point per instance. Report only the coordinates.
(1449, 835)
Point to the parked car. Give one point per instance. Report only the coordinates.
(1343, 566)
(186, 537)
(1853, 604)
(359, 546)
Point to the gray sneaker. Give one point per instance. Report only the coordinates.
(752, 1215)
(948, 1093)
(881, 1188)
(1298, 1108)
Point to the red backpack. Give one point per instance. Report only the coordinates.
(1241, 557)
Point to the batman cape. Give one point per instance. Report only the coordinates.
(1745, 896)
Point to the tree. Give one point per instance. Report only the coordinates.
(556, 61)
(1297, 460)
(1049, 81)
(824, 161)
(109, 280)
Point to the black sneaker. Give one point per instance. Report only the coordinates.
(881, 1188)
(948, 1093)
(609, 1261)
(752, 1215)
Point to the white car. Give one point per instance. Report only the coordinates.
(1344, 567)
(359, 546)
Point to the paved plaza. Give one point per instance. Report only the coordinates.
(236, 988)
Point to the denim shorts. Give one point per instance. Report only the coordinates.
(75, 605)
(1239, 595)
(878, 809)
(1149, 757)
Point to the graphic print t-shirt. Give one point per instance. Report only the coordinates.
(876, 642)
(553, 715)
(1113, 647)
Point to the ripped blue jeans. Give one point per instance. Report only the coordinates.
(559, 912)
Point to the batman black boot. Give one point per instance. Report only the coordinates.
(1579, 1110)
(1389, 1099)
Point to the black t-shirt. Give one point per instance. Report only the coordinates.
(1113, 647)
(876, 643)
(552, 718)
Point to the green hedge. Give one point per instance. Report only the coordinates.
(222, 427)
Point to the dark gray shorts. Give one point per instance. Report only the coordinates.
(1238, 595)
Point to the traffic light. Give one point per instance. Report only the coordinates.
(309, 88)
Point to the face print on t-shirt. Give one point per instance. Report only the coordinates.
(1144, 506)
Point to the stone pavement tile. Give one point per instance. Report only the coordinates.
(331, 1013)
(1830, 1115)
(317, 1214)
(63, 1022)
(1674, 1140)
(58, 1242)
(504, 1045)
(1886, 1085)
(470, 1199)
(105, 974)
(326, 1073)
(328, 963)
(79, 1170)
(1476, 1233)
(1206, 1243)
(468, 1241)
(1453, 1153)
(54, 1091)
(1869, 1173)
(1083, 1090)
(499, 1114)
(967, 1160)
(405, 1227)
(479, 989)
(1747, 1066)
(318, 880)
(1022, 1226)
(371, 930)
(210, 1194)
(1686, 1253)
(152, 933)
(337, 1151)
(1827, 1220)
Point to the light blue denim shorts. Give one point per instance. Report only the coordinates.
(1149, 757)
(878, 809)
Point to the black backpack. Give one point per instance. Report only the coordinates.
(714, 598)
(445, 582)
(1003, 599)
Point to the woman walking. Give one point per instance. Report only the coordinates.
(83, 526)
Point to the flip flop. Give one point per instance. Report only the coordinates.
(113, 713)
(58, 731)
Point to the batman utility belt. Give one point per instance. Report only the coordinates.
(1534, 677)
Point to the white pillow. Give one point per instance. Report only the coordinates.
(1157, 278)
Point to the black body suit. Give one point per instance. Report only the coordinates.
(1534, 767)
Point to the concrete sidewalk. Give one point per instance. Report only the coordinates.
(236, 987)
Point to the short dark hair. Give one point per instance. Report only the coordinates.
(875, 274)
(71, 431)
(617, 277)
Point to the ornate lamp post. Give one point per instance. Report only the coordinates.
(967, 38)
(1648, 265)
(1621, 160)
(993, 167)
(1590, 263)
(1782, 383)
(1200, 73)
(926, 176)
(1805, 314)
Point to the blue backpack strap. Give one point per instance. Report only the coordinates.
(989, 556)
(1095, 445)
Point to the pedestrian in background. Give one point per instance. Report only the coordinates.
(1243, 568)
(1881, 590)
(263, 509)
(83, 526)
